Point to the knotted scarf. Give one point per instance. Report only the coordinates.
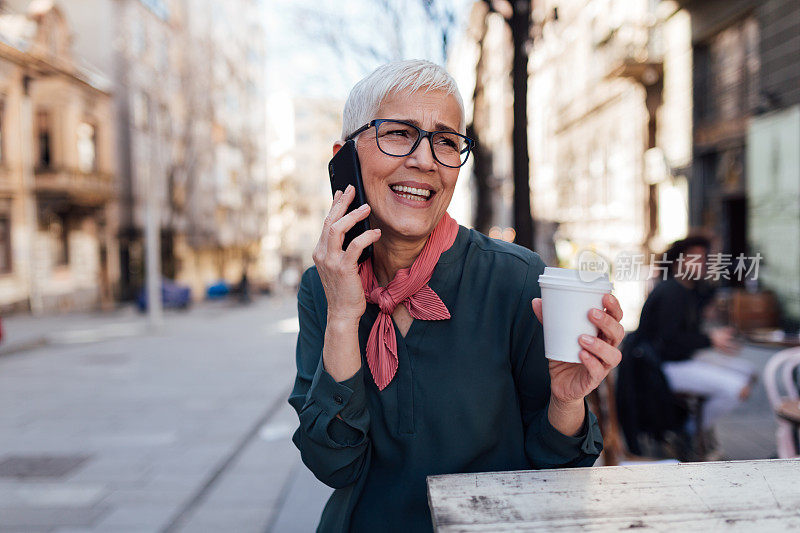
(410, 288)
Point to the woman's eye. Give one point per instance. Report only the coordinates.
(403, 133)
(448, 143)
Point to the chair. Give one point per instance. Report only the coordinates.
(781, 365)
(694, 404)
(603, 404)
(789, 378)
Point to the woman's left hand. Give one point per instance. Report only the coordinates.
(571, 382)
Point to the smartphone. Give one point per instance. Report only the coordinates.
(344, 169)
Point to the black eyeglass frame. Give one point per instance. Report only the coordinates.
(469, 145)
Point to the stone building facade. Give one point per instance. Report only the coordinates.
(58, 196)
(188, 82)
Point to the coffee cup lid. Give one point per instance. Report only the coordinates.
(579, 280)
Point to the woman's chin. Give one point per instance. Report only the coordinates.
(412, 231)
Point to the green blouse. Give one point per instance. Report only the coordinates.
(470, 393)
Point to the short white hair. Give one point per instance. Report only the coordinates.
(409, 75)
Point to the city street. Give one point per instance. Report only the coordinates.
(106, 427)
(180, 151)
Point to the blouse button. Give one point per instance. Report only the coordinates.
(338, 399)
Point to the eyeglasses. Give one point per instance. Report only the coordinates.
(399, 139)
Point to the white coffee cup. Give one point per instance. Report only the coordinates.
(567, 297)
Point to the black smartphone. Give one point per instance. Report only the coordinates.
(344, 169)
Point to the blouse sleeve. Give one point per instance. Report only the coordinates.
(333, 447)
(545, 446)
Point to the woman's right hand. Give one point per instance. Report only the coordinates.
(337, 268)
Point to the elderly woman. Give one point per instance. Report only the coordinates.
(427, 358)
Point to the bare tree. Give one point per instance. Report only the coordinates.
(442, 15)
(396, 17)
(517, 14)
(482, 155)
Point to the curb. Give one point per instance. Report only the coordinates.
(24, 346)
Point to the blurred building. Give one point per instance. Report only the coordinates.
(220, 190)
(646, 117)
(609, 120)
(58, 210)
(746, 166)
(302, 131)
(188, 83)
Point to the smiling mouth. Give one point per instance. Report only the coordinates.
(412, 193)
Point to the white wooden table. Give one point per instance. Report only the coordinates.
(732, 496)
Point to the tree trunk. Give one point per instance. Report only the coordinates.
(520, 24)
(482, 155)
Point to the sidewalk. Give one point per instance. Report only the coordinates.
(23, 332)
(186, 429)
(748, 432)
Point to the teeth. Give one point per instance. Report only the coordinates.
(412, 197)
(411, 190)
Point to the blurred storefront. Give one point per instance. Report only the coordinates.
(58, 197)
(746, 175)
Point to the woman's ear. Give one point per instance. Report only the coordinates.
(336, 146)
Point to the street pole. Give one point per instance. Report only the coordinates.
(152, 234)
(26, 142)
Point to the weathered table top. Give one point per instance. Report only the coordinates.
(733, 495)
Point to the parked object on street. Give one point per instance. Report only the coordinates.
(736, 495)
(173, 296)
(217, 290)
(782, 391)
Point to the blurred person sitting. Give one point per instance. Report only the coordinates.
(694, 361)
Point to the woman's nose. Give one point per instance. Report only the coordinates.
(422, 156)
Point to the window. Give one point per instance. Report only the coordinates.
(5, 244)
(165, 122)
(60, 238)
(87, 147)
(44, 159)
(139, 40)
(141, 110)
(726, 73)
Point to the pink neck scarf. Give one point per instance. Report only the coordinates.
(410, 288)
